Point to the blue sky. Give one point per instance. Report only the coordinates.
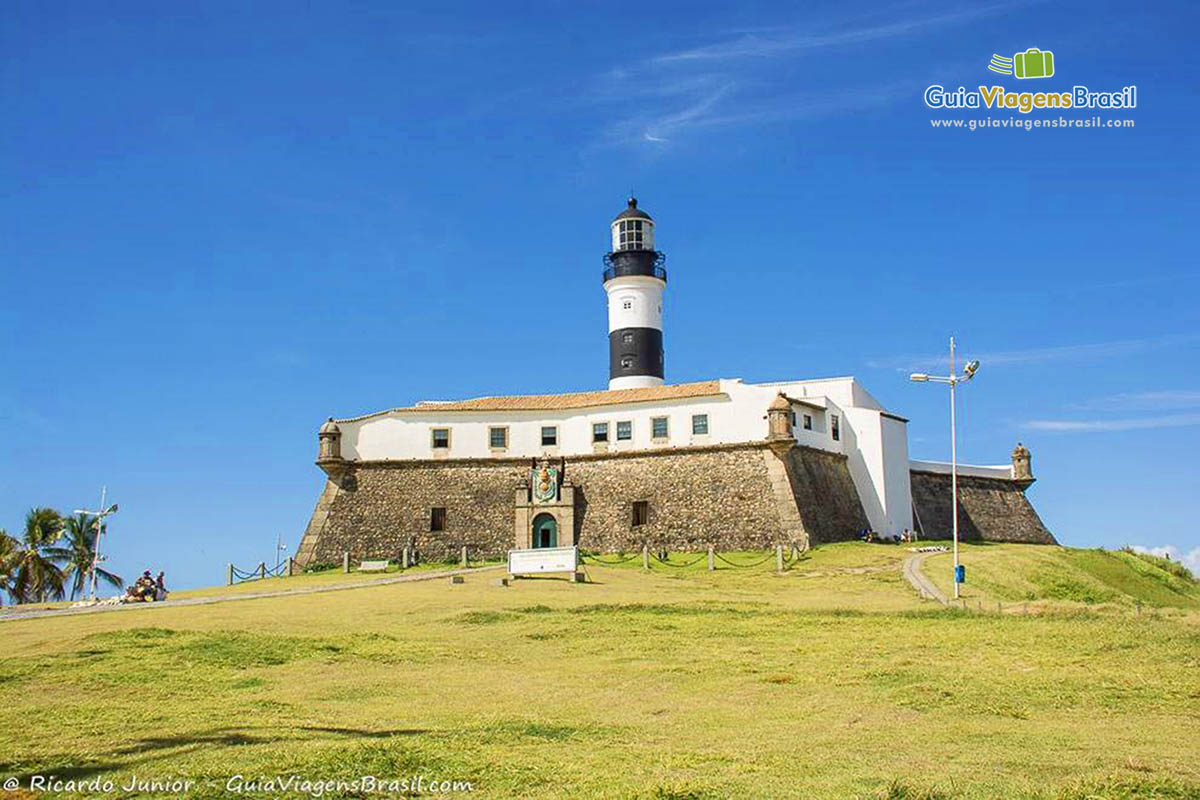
(223, 222)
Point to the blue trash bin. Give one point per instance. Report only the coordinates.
(960, 574)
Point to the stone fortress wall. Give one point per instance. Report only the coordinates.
(720, 495)
(734, 497)
(990, 509)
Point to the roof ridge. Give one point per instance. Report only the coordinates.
(559, 401)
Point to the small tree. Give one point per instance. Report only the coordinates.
(37, 577)
(80, 534)
(10, 550)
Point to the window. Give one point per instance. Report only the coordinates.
(808, 422)
(437, 519)
(624, 431)
(626, 362)
(628, 304)
(600, 432)
(658, 428)
(631, 234)
(699, 424)
(498, 438)
(441, 438)
(627, 338)
(641, 513)
(549, 436)
(834, 428)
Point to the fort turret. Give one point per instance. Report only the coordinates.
(1022, 464)
(329, 449)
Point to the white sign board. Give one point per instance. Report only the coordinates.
(542, 559)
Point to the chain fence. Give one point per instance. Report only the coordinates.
(258, 573)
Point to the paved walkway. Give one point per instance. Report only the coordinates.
(924, 586)
(8, 614)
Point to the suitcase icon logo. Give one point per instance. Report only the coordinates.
(1033, 63)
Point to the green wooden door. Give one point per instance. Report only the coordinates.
(545, 531)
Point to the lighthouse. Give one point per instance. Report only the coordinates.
(634, 280)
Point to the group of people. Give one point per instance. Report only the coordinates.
(147, 589)
(868, 535)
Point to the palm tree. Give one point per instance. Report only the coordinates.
(10, 548)
(79, 538)
(38, 578)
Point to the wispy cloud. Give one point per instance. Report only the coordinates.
(751, 45)
(737, 80)
(1142, 401)
(1040, 355)
(1111, 425)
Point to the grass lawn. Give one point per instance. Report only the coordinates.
(830, 680)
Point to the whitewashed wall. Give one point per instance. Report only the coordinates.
(876, 445)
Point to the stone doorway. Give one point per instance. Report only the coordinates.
(545, 531)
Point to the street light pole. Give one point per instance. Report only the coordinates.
(99, 534)
(279, 548)
(954, 465)
(100, 515)
(953, 379)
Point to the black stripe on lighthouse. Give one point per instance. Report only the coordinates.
(635, 351)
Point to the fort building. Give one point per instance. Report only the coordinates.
(680, 466)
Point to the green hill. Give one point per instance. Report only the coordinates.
(831, 680)
(1029, 573)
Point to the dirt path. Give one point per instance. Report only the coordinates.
(8, 615)
(924, 586)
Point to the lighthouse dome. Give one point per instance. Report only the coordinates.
(632, 211)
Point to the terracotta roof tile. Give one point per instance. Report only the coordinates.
(555, 402)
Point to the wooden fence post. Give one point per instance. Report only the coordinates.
(229, 572)
(404, 563)
(645, 556)
(779, 558)
(262, 570)
(346, 563)
(711, 563)
(464, 556)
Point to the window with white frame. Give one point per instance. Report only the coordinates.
(599, 432)
(835, 429)
(549, 435)
(808, 422)
(498, 438)
(658, 428)
(440, 438)
(699, 424)
(624, 431)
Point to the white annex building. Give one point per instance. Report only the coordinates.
(814, 439)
